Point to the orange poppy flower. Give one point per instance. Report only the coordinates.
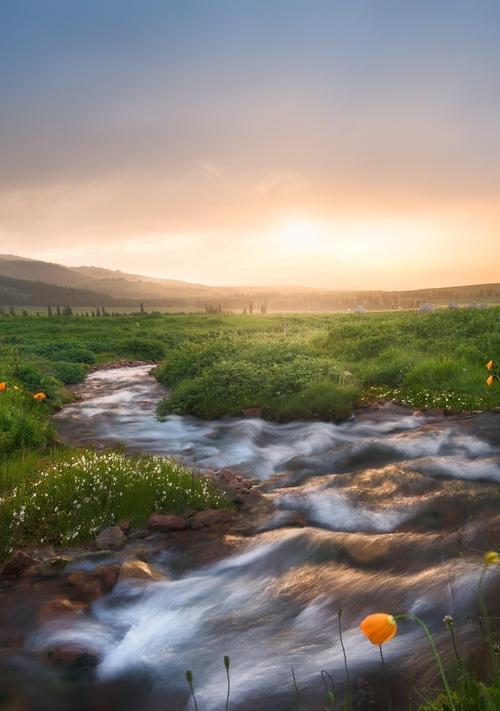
(39, 396)
(490, 379)
(379, 627)
(3, 387)
(490, 365)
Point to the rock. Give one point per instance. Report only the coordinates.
(76, 578)
(139, 570)
(111, 537)
(226, 475)
(59, 607)
(124, 526)
(107, 574)
(417, 413)
(139, 535)
(252, 412)
(167, 522)
(54, 565)
(88, 586)
(70, 653)
(92, 588)
(16, 565)
(209, 517)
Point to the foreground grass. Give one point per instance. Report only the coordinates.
(73, 494)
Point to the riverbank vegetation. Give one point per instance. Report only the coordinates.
(70, 495)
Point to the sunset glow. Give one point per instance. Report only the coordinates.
(358, 146)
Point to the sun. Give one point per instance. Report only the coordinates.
(299, 236)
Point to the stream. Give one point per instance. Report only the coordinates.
(398, 509)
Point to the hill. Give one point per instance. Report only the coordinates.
(93, 286)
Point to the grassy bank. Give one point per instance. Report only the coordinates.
(311, 367)
(69, 495)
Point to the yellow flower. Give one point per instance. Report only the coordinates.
(379, 627)
(3, 387)
(490, 365)
(491, 558)
(490, 379)
(39, 396)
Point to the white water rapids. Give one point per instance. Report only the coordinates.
(383, 494)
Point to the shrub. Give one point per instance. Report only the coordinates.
(142, 349)
(69, 352)
(68, 373)
(33, 379)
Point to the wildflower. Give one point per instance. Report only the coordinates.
(39, 396)
(490, 379)
(491, 558)
(379, 627)
(448, 620)
(3, 387)
(490, 365)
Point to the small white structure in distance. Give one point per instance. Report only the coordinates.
(426, 307)
(360, 309)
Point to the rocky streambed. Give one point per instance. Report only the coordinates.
(389, 511)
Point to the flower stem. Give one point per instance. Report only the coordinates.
(414, 618)
(339, 614)
(386, 680)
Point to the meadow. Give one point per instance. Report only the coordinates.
(288, 366)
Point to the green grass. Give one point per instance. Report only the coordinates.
(70, 495)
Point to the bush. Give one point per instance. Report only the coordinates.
(33, 379)
(142, 349)
(69, 352)
(74, 496)
(320, 400)
(68, 373)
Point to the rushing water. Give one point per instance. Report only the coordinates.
(396, 505)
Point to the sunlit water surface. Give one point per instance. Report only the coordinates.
(383, 496)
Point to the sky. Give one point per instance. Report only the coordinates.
(317, 142)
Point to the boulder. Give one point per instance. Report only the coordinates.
(167, 522)
(139, 570)
(70, 653)
(111, 537)
(226, 475)
(59, 607)
(54, 565)
(124, 526)
(252, 412)
(76, 578)
(209, 517)
(19, 562)
(107, 574)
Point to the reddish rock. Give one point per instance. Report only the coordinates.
(76, 578)
(111, 537)
(92, 588)
(139, 570)
(252, 412)
(124, 526)
(226, 475)
(59, 607)
(209, 517)
(16, 565)
(70, 653)
(167, 522)
(107, 574)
